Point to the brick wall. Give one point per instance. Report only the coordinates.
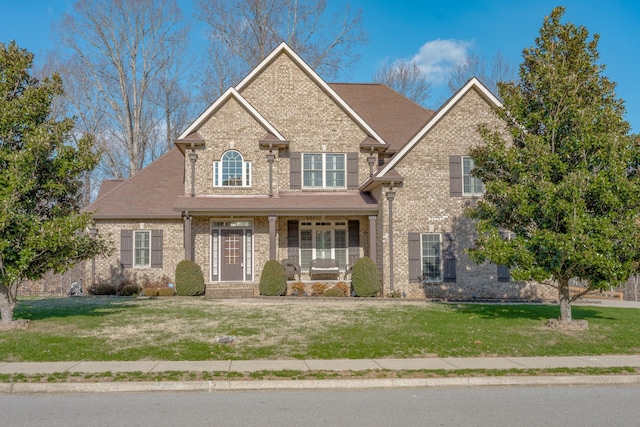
(108, 269)
(423, 204)
(306, 116)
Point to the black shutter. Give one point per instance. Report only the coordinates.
(415, 258)
(455, 176)
(354, 241)
(126, 248)
(293, 241)
(352, 171)
(504, 273)
(448, 250)
(156, 248)
(295, 171)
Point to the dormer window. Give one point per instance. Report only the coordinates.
(232, 171)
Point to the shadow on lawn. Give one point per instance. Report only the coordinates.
(526, 311)
(46, 308)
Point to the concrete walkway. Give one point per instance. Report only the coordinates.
(448, 364)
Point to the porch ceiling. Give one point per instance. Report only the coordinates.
(299, 202)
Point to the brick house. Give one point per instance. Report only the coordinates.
(287, 166)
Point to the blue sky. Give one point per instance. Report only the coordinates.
(436, 33)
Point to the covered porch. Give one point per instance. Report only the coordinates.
(322, 233)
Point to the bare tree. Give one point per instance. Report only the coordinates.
(77, 100)
(476, 66)
(405, 77)
(243, 32)
(124, 54)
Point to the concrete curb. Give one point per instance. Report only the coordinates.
(335, 384)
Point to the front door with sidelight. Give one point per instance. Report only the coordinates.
(231, 251)
(231, 259)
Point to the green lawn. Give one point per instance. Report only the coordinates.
(88, 328)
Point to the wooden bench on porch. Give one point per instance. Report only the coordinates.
(324, 267)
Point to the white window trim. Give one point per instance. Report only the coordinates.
(324, 171)
(135, 258)
(324, 226)
(440, 259)
(473, 193)
(217, 172)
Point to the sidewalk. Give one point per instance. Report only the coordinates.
(448, 364)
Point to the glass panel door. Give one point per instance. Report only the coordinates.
(323, 243)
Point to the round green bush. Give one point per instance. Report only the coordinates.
(365, 278)
(334, 292)
(189, 279)
(105, 289)
(130, 290)
(273, 280)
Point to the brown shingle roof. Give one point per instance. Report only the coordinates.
(150, 193)
(394, 117)
(330, 202)
(107, 185)
(157, 191)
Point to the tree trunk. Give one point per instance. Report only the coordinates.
(6, 304)
(565, 301)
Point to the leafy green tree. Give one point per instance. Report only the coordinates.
(566, 183)
(41, 228)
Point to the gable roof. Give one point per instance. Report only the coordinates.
(283, 48)
(150, 193)
(231, 93)
(395, 117)
(107, 185)
(472, 84)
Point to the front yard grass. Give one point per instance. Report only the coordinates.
(95, 329)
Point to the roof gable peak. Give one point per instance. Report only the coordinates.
(283, 48)
(231, 93)
(472, 84)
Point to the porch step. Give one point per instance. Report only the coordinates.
(231, 290)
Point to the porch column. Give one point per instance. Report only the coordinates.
(270, 159)
(187, 236)
(390, 196)
(272, 237)
(373, 249)
(193, 156)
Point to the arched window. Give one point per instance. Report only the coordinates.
(232, 171)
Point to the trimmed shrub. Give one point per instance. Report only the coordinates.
(318, 289)
(364, 278)
(273, 280)
(130, 290)
(105, 289)
(159, 292)
(345, 288)
(189, 279)
(334, 292)
(298, 289)
(130, 285)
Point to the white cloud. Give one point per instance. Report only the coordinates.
(437, 57)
